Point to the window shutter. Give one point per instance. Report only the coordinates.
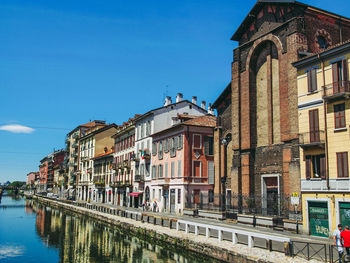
(179, 172)
(314, 79)
(211, 172)
(166, 170)
(323, 167)
(339, 165)
(335, 76)
(172, 169)
(309, 81)
(176, 142)
(206, 145)
(345, 160)
(345, 72)
(308, 167)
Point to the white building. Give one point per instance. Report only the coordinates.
(152, 122)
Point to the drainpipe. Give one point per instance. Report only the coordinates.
(325, 122)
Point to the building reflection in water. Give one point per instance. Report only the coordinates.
(80, 239)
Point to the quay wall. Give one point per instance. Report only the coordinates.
(223, 250)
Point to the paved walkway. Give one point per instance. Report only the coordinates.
(228, 224)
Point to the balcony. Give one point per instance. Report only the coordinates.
(163, 181)
(75, 135)
(336, 90)
(85, 158)
(75, 145)
(318, 185)
(139, 178)
(99, 181)
(312, 139)
(73, 155)
(71, 164)
(126, 164)
(67, 140)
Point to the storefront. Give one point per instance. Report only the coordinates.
(318, 219)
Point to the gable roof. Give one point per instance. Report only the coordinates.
(173, 104)
(259, 5)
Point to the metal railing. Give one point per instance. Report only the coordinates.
(310, 138)
(336, 88)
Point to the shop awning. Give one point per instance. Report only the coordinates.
(135, 194)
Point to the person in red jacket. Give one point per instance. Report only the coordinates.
(345, 236)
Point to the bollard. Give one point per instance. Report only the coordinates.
(269, 245)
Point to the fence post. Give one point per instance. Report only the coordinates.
(308, 251)
(325, 252)
(250, 241)
(288, 249)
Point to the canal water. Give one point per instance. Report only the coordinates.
(31, 232)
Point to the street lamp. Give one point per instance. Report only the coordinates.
(225, 141)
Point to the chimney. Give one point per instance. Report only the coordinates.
(210, 110)
(179, 97)
(203, 105)
(167, 101)
(194, 100)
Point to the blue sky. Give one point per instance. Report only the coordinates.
(66, 62)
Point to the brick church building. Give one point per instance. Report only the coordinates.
(258, 110)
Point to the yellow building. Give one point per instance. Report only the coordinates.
(324, 118)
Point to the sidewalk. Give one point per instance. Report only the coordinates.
(224, 223)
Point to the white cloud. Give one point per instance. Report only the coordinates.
(16, 128)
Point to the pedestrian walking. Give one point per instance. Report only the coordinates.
(154, 206)
(345, 238)
(143, 206)
(338, 242)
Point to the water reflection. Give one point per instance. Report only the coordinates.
(80, 239)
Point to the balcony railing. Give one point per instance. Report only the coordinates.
(139, 178)
(126, 164)
(99, 180)
(75, 135)
(318, 185)
(340, 89)
(312, 139)
(75, 145)
(74, 155)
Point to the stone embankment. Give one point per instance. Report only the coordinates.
(223, 250)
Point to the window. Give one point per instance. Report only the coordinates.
(312, 79)
(166, 170)
(160, 150)
(154, 193)
(179, 171)
(211, 173)
(179, 196)
(340, 76)
(172, 147)
(172, 169)
(342, 164)
(166, 145)
(197, 169)
(160, 171)
(197, 141)
(339, 116)
(209, 145)
(142, 130)
(322, 42)
(313, 126)
(154, 148)
(179, 141)
(154, 172)
(315, 166)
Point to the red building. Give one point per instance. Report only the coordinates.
(183, 164)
